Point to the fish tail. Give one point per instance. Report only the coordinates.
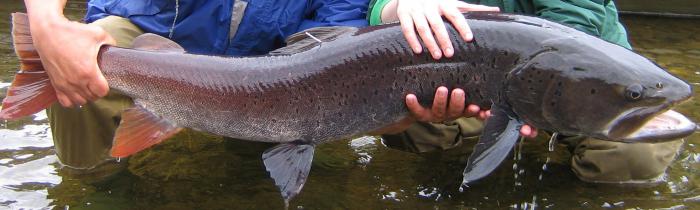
(31, 90)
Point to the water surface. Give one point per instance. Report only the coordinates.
(199, 171)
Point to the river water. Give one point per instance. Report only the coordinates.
(198, 171)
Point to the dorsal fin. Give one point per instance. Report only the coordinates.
(309, 38)
(153, 42)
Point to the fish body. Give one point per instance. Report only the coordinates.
(335, 83)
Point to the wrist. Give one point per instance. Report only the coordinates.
(44, 14)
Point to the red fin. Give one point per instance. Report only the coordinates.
(31, 91)
(140, 129)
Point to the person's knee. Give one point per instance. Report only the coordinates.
(121, 29)
(603, 161)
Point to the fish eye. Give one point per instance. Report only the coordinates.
(634, 92)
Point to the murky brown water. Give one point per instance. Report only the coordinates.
(197, 171)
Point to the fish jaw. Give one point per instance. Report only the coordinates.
(668, 125)
(650, 124)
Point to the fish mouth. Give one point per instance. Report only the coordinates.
(651, 124)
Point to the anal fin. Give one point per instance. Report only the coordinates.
(500, 134)
(140, 129)
(289, 165)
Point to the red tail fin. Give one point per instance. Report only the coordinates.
(31, 91)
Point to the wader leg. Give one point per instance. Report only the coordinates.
(592, 160)
(425, 137)
(595, 160)
(83, 136)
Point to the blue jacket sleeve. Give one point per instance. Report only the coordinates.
(335, 13)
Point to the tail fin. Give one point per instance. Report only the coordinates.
(31, 91)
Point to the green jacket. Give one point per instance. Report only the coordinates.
(595, 17)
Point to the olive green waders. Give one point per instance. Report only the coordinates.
(592, 160)
(83, 136)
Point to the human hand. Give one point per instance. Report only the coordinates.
(442, 111)
(425, 17)
(68, 52)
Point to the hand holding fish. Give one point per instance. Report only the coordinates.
(425, 17)
(442, 111)
(68, 52)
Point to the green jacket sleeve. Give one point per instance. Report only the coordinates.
(595, 17)
(374, 13)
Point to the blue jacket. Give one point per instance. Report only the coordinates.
(203, 26)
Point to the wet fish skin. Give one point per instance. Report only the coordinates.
(526, 69)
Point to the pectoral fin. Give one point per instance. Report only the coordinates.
(500, 134)
(140, 129)
(289, 165)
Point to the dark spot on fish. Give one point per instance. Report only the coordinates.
(552, 103)
(483, 76)
(516, 61)
(540, 81)
(559, 84)
(551, 76)
(529, 81)
(557, 93)
(432, 83)
(593, 91)
(579, 69)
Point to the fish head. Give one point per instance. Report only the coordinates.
(601, 90)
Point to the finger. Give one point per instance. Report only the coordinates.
(409, 32)
(459, 22)
(439, 104)
(418, 111)
(83, 92)
(98, 87)
(525, 130)
(438, 28)
(482, 115)
(466, 7)
(75, 99)
(534, 133)
(472, 110)
(426, 35)
(63, 99)
(456, 107)
(528, 131)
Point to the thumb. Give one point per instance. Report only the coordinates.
(99, 86)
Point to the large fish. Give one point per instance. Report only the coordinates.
(338, 82)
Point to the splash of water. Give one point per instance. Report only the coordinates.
(553, 142)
